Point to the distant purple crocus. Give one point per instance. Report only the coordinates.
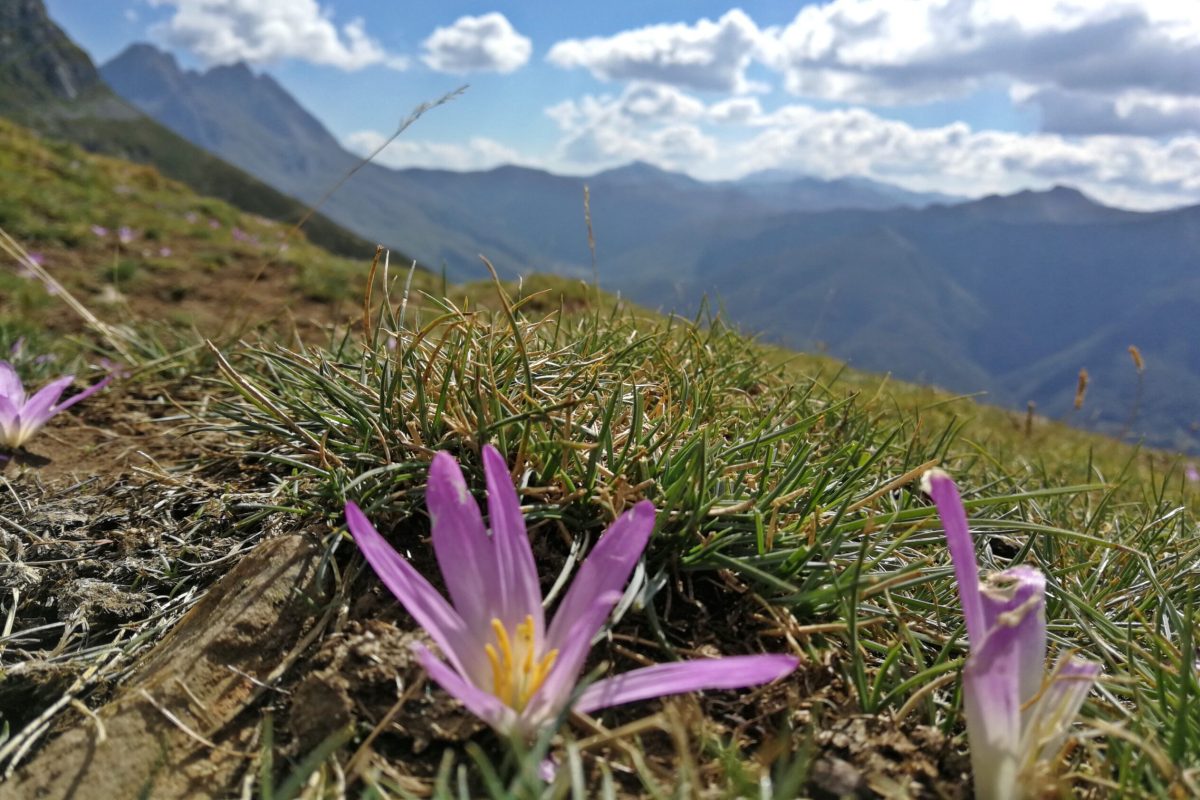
(21, 416)
(1016, 715)
(164, 252)
(126, 234)
(1191, 473)
(99, 230)
(505, 665)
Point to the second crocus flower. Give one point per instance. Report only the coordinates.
(1017, 716)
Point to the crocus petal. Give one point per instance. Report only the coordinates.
(10, 385)
(997, 673)
(1056, 708)
(484, 705)
(595, 590)
(419, 598)
(941, 488)
(587, 604)
(1020, 590)
(517, 585)
(86, 393)
(573, 647)
(660, 680)
(40, 408)
(9, 414)
(464, 551)
(606, 570)
(991, 699)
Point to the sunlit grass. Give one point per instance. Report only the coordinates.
(786, 484)
(791, 486)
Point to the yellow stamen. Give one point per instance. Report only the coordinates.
(502, 680)
(517, 672)
(542, 670)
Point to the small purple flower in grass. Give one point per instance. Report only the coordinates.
(505, 664)
(1017, 717)
(126, 234)
(99, 230)
(21, 417)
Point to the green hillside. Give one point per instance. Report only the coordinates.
(134, 243)
(49, 84)
(188, 616)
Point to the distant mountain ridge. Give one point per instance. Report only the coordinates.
(523, 219)
(48, 84)
(1006, 294)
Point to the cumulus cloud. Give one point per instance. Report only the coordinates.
(647, 122)
(1135, 113)
(705, 56)
(488, 43)
(1118, 67)
(1128, 171)
(477, 153)
(735, 110)
(257, 31)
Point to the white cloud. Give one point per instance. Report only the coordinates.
(477, 44)
(885, 53)
(646, 122)
(735, 110)
(226, 31)
(1128, 171)
(1135, 113)
(706, 56)
(1121, 67)
(477, 153)
(1134, 172)
(648, 101)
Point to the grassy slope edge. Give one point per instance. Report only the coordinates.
(48, 84)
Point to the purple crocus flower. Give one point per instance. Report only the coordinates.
(502, 661)
(21, 417)
(1016, 715)
(99, 230)
(126, 234)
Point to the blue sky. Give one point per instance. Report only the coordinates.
(962, 96)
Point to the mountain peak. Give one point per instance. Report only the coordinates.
(145, 55)
(642, 172)
(38, 63)
(238, 70)
(1058, 204)
(229, 109)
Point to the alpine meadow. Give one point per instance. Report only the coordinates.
(688, 402)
